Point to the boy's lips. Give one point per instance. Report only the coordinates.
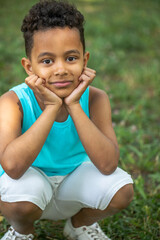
(61, 83)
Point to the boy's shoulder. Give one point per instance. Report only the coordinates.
(100, 108)
(12, 94)
(99, 104)
(9, 96)
(9, 101)
(97, 95)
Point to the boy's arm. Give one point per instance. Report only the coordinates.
(18, 152)
(97, 134)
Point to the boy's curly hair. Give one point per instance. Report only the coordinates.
(49, 14)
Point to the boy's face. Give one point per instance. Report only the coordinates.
(57, 56)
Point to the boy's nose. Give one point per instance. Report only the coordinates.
(60, 70)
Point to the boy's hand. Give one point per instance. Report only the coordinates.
(44, 95)
(85, 80)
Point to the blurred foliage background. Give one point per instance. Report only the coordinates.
(123, 38)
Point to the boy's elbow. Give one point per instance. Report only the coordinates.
(11, 170)
(109, 168)
(14, 173)
(14, 176)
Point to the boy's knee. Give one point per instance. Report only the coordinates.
(25, 208)
(123, 197)
(128, 192)
(20, 210)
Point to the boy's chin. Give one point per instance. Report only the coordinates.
(63, 94)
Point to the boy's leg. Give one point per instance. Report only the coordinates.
(88, 216)
(86, 190)
(21, 215)
(23, 200)
(87, 196)
(100, 196)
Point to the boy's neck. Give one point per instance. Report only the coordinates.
(62, 114)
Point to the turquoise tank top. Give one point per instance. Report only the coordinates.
(62, 151)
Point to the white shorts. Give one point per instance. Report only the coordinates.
(61, 197)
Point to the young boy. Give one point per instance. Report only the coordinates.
(58, 150)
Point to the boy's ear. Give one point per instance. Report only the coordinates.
(86, 58)
(26, 63)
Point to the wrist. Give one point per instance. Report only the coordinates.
(56, 104)
(52, 107)
(73, 107)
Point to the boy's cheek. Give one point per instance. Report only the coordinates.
(41, 74)
(80, 74)
(79, 71)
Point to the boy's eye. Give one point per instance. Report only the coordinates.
(47, 61)
(71, 59)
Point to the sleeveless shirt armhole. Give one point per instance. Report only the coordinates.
(20, 105)
(87, 101)
(19, 94)
(18, 90)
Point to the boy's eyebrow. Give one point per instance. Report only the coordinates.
(46, 54)
(72, 51)
(53, 55)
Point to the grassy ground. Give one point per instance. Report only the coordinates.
(123, 38)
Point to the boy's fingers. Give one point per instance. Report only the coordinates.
(31, 77)
(86, 69)
(89, 72)
(87, 76)
(39, 84)
(30, 81)
(35, 83)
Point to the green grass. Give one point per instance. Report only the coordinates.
(123, 38)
